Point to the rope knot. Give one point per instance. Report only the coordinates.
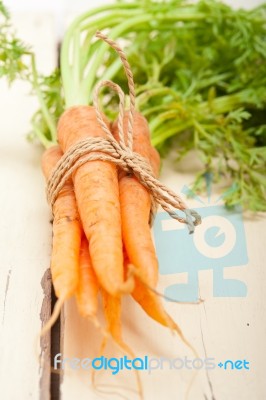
(127, 156)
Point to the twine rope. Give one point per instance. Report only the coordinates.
(118, 152)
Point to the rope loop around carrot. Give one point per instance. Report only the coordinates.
(93, 149)
(119, 152)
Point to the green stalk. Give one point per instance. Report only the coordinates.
(44, 141)
(162, 118)
(224, 104)
(77, 73)
(105, 21)
(66, 69)
(89, 80)
(147, 112)
(145, 96)
(170, 132)
(198, 127)
(88, 48)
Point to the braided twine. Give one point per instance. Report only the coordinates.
(120, 153)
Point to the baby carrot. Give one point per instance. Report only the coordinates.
(88, 287)
(150, 302)
(135, 203)
(96, 190)
(66, 236)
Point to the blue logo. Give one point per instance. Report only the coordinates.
(218, 243)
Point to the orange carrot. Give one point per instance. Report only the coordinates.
(150, 302)
(112, 312)
(135, 202)
(135, 210)
(88, 287)
(66, 236)
(96, 190)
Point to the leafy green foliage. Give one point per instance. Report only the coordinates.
(18, 62)
(12, 50)
(51, 91)
(201, 82)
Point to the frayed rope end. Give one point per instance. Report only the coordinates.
(190, 214)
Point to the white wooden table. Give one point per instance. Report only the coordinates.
(221, 327)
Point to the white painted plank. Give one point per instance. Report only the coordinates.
(25, 232)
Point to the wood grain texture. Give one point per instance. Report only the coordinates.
(45, 341)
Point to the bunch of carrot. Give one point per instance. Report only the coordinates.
(102, 243)
(102, 240)
(101, 234)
